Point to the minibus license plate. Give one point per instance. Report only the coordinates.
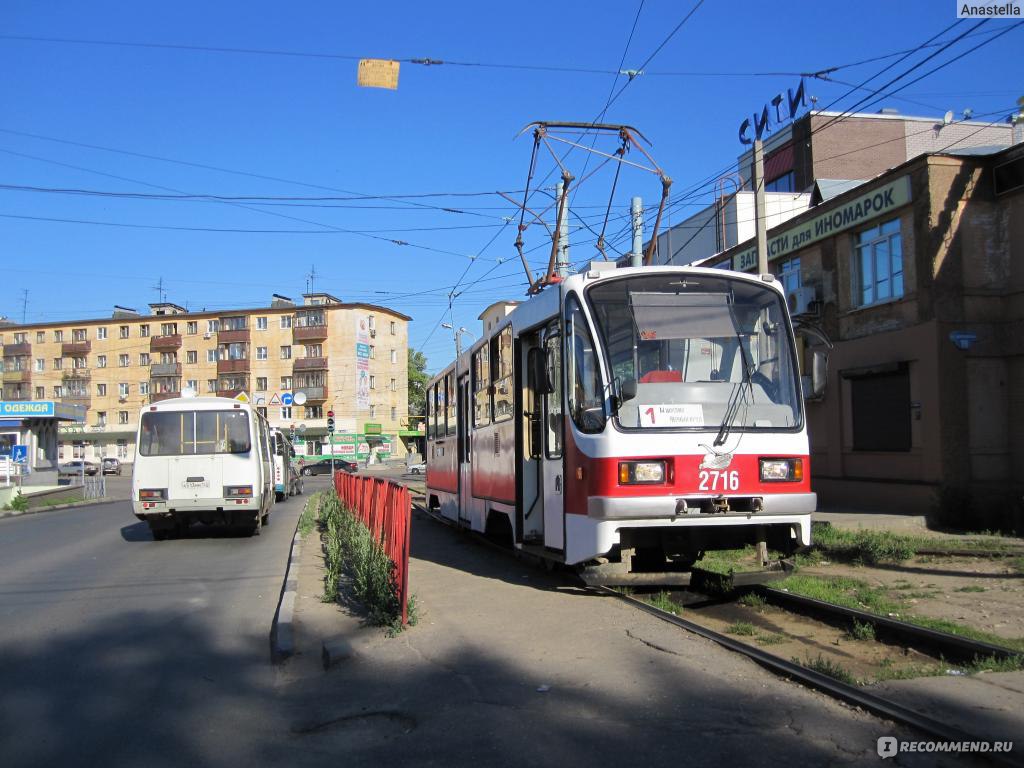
(195, 484)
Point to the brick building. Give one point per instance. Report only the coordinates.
(352, 358)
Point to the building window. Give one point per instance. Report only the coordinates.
(192, 357)
(394, 385)
(211, 355)
(286, 352)
(58, 336)
(79, 335)
(373, 381)
(143, 387)
(314, 411)
(394, 414)
(122, 448)
(394, 327)
(211, 385)
(784, 183)
(212, 326)
(789, 275)
(168, 329)
(143, 358)
(40, 337)
(373, 411)
(261, 383)
(123, 331)
(80, 362)
(879, 264)
(192, 384)
(261, 353)
(101, 361)
(286, 411)
(314, 350)
(123, 390)
(58, 391)
(122, 417)
(40, 393)
(123, 360)
(373, 352)
(101, 390)
(371, 323)
(286, 321)
(101, 332)
(144, 330)
(191, 327)
(58, 363)
(286, 382)
(394, 355)
(40, 364)
(880, 407)
(261, 323)
(234, 323)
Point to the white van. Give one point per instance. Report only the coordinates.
(202, 458)
(286, 479)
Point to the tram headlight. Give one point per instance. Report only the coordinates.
(638, 472)
(782, 470)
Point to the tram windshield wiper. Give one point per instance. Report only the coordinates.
(732, 408)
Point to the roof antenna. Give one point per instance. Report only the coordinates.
(160, 292)
(310, 278)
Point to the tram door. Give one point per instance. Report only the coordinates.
(465, 450)
(554, 434)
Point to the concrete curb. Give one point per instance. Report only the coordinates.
(282, 631)
(57, 507)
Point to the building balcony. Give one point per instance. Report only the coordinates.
(232, 366)
(23, 376)
(162, 343)
(313, 394)
(76, 373)
(156, 397)
(77, 398)
(165, 369)
(75, 348)
(310, 364)
(302, 333)
(15, 392)
(232, 337)
(231, 393)
(16, 350)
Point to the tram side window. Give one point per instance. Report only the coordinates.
(452, 400)
(430, 413)
(553, 401)
(501, 354)
(481, 388)
(586, 395)
(439, 408)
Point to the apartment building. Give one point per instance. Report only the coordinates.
(347, 357)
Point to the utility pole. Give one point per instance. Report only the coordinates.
(760, 214)
(24, 305)
(562, 265)
(637, 214)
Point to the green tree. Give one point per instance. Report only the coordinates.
(418, 378)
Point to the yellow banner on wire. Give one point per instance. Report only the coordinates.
(378, 73)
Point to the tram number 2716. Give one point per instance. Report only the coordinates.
(719, 480)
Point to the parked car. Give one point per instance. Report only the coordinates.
(417, 469)
(111, 466)
(323, 466)
(73, 468)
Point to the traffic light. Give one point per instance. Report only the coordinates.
(291, 435)
(330, 421)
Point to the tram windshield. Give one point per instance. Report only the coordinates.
(697, 351)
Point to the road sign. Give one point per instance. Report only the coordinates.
(275, 400)
(286, 398)
(19, 454)
(242, 397)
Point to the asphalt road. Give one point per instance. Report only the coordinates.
(119, 650)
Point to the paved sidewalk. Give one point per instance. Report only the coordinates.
(508, 666)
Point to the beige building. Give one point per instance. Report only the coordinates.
(349, 358)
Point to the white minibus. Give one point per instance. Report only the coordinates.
(286, 480)
(205, 459)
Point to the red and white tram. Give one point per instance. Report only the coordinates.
(628, 419)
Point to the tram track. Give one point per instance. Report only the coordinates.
(943, 644)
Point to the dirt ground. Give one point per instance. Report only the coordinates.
(981, 592)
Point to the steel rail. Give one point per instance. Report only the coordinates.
(950, 646)
(850, 694)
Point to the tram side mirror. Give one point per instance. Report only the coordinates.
(814, 385)
(537, 372)
(627, 389)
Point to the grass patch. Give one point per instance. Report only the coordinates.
(1017, 564)
(17, 504)
(842, 590)
(970, 588)
(991, 664)
(864, 546)
(744, 628)
(765, 638)
(663, 602)
(945, 625)
(308, 518)
(753, 600)
(861, 630)
(350, 547)
(888, 672)
(827, 667)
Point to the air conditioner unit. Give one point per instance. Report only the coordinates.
(802, 300)
(373, 333)
(207, 335)
(122, 399)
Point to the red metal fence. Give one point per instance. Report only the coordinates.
(385, 508)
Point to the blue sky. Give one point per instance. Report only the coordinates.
(169, 121)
